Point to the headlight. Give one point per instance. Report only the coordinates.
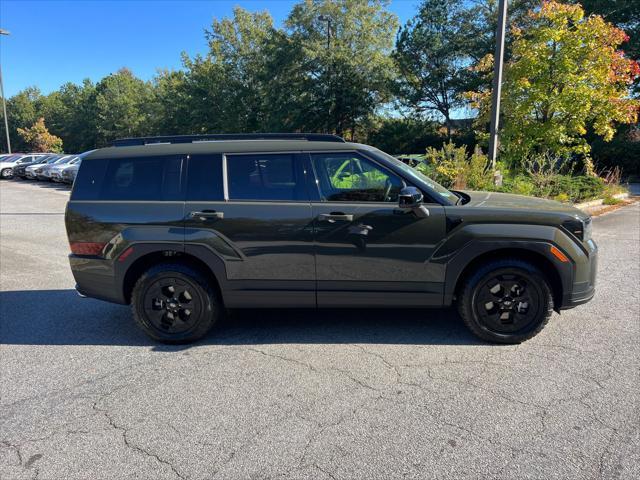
(578, 228)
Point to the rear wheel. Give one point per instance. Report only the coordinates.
(174, 303)
(6, 173)
(506, 301)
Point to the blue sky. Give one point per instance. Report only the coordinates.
(53, 42)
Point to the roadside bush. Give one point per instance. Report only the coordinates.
(575, 189)
(452, 167)
(520, 184)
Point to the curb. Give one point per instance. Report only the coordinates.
(599, 201)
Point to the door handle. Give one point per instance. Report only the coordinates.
(335, 216)
(207, 215)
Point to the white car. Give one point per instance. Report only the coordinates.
(31, 171)
(7, 163)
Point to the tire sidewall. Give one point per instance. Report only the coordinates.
(210, 305)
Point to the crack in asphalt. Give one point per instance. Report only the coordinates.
(133, 446)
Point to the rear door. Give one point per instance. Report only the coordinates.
(368, 251)
(252, 211)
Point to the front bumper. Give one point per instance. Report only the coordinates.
(584, 285)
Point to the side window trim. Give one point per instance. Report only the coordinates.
(225, 179)
(357, 153)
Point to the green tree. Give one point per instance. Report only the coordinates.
(566, 75)
(71, 115)
(38, 139)
(226, 85)
(22, 112)
(336, 88)
(122, 107)
(432, 60)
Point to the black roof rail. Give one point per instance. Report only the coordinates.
(216, 137)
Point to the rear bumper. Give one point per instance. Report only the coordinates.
(95, 278)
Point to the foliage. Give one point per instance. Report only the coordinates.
(400, 135)
(622, 152)
(340, 85)
(431, 59)
(609, 200)
(566, 75)
(38, 139)
(624, 14)
(121, 102)
(452, 167)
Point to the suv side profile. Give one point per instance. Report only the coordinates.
(182, 228)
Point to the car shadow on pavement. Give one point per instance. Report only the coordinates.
(54, 186)
(61, 317)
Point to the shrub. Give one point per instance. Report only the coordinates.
(608, 200)
(453, 168)
(520, 184)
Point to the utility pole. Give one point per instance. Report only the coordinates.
(326, 18)
(4, 102)
(497, 82)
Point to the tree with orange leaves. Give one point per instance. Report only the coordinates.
(38, 138)
(566, 75)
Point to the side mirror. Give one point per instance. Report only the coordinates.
(410, 197)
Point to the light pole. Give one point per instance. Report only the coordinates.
(497, 82)
(326, 18)
(4, 102)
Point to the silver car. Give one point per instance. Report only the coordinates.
(30, 171)
(54, 172)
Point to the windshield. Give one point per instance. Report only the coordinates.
(415, 174)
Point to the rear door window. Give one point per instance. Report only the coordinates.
(146, 178)
(265, 177)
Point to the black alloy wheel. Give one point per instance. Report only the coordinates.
(506, 301)
(174, 303)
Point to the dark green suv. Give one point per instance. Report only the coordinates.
(183, 227)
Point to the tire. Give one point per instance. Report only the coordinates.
(183, 315)
(6, 173)
(506, 301)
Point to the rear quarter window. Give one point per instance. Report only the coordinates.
(117, 179)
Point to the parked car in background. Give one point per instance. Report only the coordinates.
(30, 171)
(7, 164)
(68, 174)
(19, 171)
(54, 172)
(44, 172)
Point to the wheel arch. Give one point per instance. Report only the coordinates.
(559, 277)
(148, 259)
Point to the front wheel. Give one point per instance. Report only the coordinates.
(506, 301)
(6, 173)
(174, 303)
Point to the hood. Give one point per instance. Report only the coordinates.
(510, 201)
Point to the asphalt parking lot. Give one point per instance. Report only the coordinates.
(303, 394)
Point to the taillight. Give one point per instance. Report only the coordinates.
(86, 248)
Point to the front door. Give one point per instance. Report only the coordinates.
(368, 251)
(254, 212)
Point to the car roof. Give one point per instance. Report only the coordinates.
(224, 146)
